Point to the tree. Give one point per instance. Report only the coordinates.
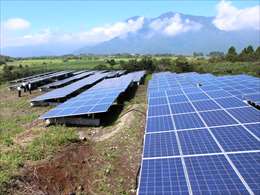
(8, 72)
(231, 54)
(164, 64)
(216, 54)
(147, 63)
(182, 64)
(257, 53)
(100, 67)
(197, 54)
(247, 54)
(111, 62)
(250, 53)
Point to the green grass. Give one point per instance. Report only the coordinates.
(39, 148)
(16, 117)
(228, 68)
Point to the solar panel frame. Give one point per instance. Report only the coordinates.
(213, 87)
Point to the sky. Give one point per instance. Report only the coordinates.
(35, 22)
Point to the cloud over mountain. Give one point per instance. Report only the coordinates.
(230, 18)
(169, 33)
(174, 25)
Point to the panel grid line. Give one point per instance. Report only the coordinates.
(180, 150)
(223, 151)
(234, 117)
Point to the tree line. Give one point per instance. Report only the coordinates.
(247, 54)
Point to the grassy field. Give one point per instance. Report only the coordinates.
(34, 158)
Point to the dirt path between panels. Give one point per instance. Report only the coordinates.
(106, 163)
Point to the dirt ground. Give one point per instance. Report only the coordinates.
(106, 162)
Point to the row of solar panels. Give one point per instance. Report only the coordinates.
(39, 80)
(66, 81)
(96, 99)
(200, 136)
(30, 77)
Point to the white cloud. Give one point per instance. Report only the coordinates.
(174, 25)
(92, 36)
(16, 24)
(107, 32)
(230, 18)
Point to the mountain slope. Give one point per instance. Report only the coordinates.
(205, 39)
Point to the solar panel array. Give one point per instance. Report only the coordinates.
(67, 80)
(30, 77)
(200, 137)
(137, 76)
(97, 99)
(50, 76)
(69, 89)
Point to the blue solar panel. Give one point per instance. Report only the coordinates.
(162, 176)
(197, 96)
(213, 175)
(230, 102)
(218, 94)
(158, 110)
(157, 101)
(197, 142)
(100, 97)
(248, 166)
(157, 94)
(160, 144)
(208, 169)
(245, 115)
(192, 90)
(182, 108)
(188, 121)
(235, 138)
(209, 88)
(177, 99)
(69, 89)
(205, 105)
(177, 91)
(248, 91)
(163, 123)
(217, 118)
(235, 92)
(254, 128)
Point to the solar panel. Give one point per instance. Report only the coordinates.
(182, 108)
(205, 105)
(157, 101)
(197, 96)
(197, 142)
(253, 98)
(67, 80)
(248, 166)
(213, 175)
(97, 99)
(235, 138)
(160, 144)
(230, 102)
(162, 176)
(67, 90)
(177, 99)
(161, 123)
(254, 128)
(188, 121)
(245, 115)
(217, 118)
(158, 110)
(206, 129)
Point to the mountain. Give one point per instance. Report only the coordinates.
(168, 33)
(206, 38)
